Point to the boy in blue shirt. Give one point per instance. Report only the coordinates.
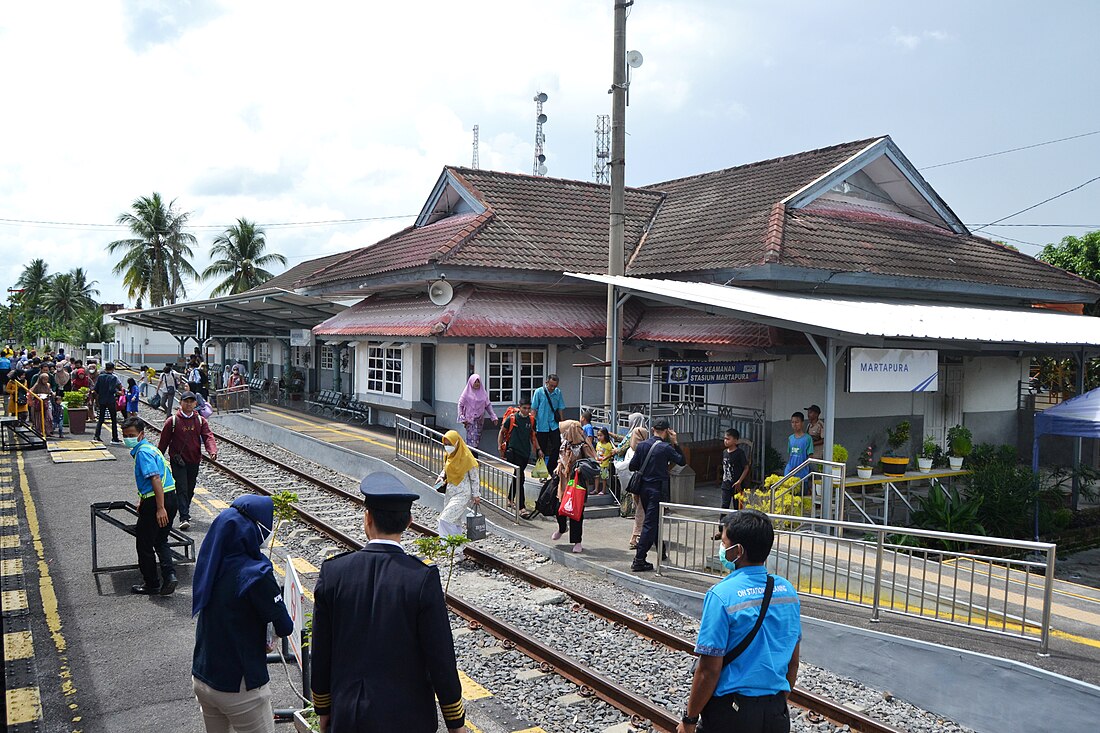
(800, 446)
(156, 510)
(749, 692)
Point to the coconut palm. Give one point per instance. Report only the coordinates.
(62, 301)
(35, 281)
(89, 328)
(84, 289)
(157, 258)
(242, 260)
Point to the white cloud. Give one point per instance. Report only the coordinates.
(911, 41)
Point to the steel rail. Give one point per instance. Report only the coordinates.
(609, 691)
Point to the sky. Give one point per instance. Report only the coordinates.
(287, 113)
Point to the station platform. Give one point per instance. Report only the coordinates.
(1075, 643)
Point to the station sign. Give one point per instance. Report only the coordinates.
(893, 370)
(713, 372)
(295, 606)
(301, 337)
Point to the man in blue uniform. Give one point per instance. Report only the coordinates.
(156, 510)
(741, 686)
(653, 457)
(382, 645)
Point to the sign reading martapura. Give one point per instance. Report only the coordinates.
(713, 372)
(301, 337)
(893, 370)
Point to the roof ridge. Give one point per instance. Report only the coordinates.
(792, 156)
(462, 236)
(462, 171)
(773, 239)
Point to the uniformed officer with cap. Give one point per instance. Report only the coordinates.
(382, 644)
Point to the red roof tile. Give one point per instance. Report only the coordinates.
(686, 326)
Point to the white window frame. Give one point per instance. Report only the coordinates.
(384, 370)
(263, 352)
(326, 357)
(528, 370)
(677, 393)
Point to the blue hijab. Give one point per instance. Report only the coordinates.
(232, 545)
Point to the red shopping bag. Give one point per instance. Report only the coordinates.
(572, 501)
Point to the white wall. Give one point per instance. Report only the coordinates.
(990, 383)
(160, 349)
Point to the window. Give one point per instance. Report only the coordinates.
(676, 393)
(236, 351)
(263, 352)
(326, 358)
(514, 373)
(300, 356)
(384, 370)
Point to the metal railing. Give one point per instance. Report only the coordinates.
(820, 493)
(237, 399)
(422, 447)
(963, 580)
(39, 414)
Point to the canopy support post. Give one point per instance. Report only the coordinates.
(1075, 481)
(613, 403)
(830, 355)
(1035, 473)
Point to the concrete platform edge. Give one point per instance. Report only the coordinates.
(980, 691)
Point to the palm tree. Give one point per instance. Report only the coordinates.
(62, 300)
(157, 257)
(84, 289)
(35, 281)
(89, 328)
(242, 259)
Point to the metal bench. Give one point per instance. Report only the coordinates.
(327, 399)
(356, 410)
(102, 511)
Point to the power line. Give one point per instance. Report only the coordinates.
(1059, 226)
(1010, 150)
(1035, 206)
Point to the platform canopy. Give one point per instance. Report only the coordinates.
(874, 322)
(260, 313)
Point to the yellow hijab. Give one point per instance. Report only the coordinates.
(458, 463)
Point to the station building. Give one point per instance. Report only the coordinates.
(855, 220)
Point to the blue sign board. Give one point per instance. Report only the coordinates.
(713, 372)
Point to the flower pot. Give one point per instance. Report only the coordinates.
(301, 725)
(78, 418)
(924, 465)
(894, 465)
(837, 471)
(956, 462)
(864, 471)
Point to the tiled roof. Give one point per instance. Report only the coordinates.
(851, 239)
(477, 313)
(286, 280)
(720, 220)
(686, 326)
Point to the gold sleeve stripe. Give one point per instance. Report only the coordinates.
(322, 699)
(455, 708)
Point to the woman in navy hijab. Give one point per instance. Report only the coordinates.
(236, 597)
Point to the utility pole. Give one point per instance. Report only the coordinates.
(617, 220)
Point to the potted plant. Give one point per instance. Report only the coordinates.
(76, 407)
(927, 453)
(866, 462)
(840, 455)
(960, 441)
(896, 459)
(296, 386)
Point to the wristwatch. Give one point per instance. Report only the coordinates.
(689, 719)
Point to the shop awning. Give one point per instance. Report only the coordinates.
(263, 313)
(873, 322)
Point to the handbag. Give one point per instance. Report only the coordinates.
(154, 401)
(206, 410)
(475, 525)
(572, 501)
(121, 402)
(634, 486)
(539, 471)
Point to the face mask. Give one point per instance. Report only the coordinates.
(131, 443)
(448, 449)
(729, 565)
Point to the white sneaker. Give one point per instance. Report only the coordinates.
(556, 536)
(185, 525)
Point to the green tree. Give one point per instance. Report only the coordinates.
(62, 301)
(241, 259)
(89, 328)
(1079, 255)
(35, 282)
(157, 257)
(84, 289)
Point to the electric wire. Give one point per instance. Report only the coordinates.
(1035, 206)
(1010, 150)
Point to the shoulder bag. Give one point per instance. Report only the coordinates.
(734, 653)
(634, 486)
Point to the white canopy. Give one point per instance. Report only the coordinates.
(864, 321)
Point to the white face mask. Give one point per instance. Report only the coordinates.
(449, 449)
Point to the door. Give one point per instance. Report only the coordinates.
(427, 373)
(943, 409)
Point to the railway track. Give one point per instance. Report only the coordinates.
(324, 498)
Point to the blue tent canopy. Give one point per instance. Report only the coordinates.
(1079, 416)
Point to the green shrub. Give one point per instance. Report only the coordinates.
(949, 512)
(960, 441)
(986, 454)
(929, 447)
(76, 398)
(1007, 494)
(773, 462)
(840, 453)
(898, 436)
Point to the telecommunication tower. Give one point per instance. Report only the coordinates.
(475, 164)
(539, 167)
(600, 171)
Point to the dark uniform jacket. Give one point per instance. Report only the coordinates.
(382, 645)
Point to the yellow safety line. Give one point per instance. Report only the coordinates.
(317, 426)
(1020, 582)
(472, 690)
(46, 588)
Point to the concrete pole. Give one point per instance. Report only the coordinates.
(617, 219)
(1075, 488)
(830, 421)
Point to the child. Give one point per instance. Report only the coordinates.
(800, 446)
(132, 397)
(589, 430)
(735, 467)
(605, 451)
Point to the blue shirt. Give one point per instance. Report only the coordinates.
(149, 462)
(799, 449)
(656, 471)
(544, 405)
(133, 396)
(730, 610)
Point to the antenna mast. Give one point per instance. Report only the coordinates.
(600, 172)
(539, 167)
(475, 164)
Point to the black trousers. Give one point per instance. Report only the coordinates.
(576, 527)
(742, 714)
(550, 443)
(152, 541)
(185, 474)
(517, 483)
(651, 505)
(727, 494)
(104, 410)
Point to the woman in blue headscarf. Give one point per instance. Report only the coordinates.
(235, 596)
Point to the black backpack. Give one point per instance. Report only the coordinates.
(548, 502)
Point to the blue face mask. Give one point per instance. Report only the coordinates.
(131, 443)
(729, 565)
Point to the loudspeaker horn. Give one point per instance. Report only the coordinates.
(440, 292)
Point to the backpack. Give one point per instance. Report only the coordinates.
(547, 503)
(506, 427)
